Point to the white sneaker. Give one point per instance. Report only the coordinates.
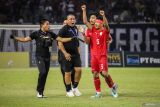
(70, 94)
(114, 91)
(39, 95)
(97, 95)
(76, 92)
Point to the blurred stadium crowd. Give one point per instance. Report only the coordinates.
(30, 11)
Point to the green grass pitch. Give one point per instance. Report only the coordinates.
(137, 86)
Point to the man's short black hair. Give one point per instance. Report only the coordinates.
(42, 21)
(93, 13)
(70, 15)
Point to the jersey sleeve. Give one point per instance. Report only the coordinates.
(61, 32)
(88, 32)
(33, 35)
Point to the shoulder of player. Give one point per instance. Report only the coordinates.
(87, 29)
(34, 33)
(105, 30)
(93, 28)
(52, 33)
(64, 27)
(68, 27)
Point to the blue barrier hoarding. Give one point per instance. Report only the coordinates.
(142, 59)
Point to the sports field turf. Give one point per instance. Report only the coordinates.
(137, 87)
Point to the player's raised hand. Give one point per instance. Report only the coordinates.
(83, 7)
(101, 12)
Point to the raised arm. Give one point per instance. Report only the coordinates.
(105, 21)
(85, 21)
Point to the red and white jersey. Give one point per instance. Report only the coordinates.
(98, 38)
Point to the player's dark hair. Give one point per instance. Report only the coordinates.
(42, 21)
(93, 13)
(70, 15)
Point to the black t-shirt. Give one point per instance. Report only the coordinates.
(72, 46)
(41, 49)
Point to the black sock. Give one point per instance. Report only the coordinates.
(68, 87)
(75, 85)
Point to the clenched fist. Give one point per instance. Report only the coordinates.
(101, 12)
(83, 7)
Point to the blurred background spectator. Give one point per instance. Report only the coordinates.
(30, 11)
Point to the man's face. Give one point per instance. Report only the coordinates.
(92, 19)
(45, 26)
(71, 20)
(98, 25)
